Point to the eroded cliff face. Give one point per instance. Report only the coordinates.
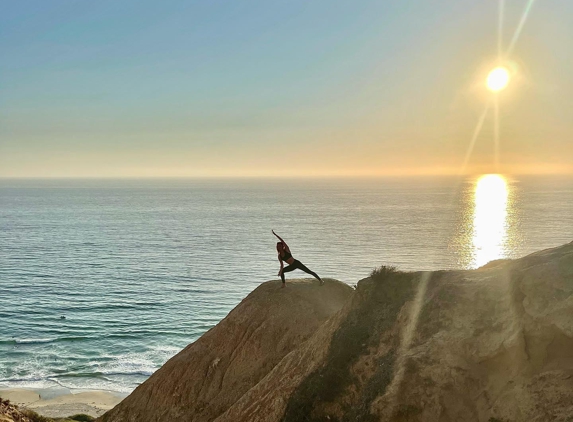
(493, 344)
(211, 374)
(11, 413)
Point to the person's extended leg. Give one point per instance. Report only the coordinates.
(303, 267)
(287, 269)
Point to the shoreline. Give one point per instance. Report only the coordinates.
(60, 403)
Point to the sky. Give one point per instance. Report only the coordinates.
(215, 88)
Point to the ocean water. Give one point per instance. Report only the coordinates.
(101, 281)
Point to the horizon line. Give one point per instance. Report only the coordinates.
(306, 176)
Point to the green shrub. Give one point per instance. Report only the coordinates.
(382, 273)
(377, 306)
(82, 417)
(34, 417)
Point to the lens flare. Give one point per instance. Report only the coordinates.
(497, 79)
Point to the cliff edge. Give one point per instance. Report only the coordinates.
(211, 374)
(492, 344)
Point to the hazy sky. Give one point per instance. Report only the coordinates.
(113, 88)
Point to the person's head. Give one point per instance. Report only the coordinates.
(280, 247)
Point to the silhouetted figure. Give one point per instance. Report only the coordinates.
(285, 256)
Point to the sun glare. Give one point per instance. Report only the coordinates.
(490, 219)
(497, 79)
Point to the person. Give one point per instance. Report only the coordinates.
(285, 255)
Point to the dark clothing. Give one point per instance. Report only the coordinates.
(286, 256)
(300, 266)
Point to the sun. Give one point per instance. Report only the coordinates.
(497, 79)
(490, 187)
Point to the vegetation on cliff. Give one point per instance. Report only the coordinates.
(12, 413)
(374, 311)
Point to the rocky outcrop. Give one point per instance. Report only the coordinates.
(492, 344)
(208, 376)
(11, 413)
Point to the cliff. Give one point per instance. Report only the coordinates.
(11, 413)
(492, 344)
(208, 376)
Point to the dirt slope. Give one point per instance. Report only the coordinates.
(11, 413)
(493, 344)
(208, 376)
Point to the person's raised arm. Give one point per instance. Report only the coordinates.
(281, 239)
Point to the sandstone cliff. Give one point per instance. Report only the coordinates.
(11, 413)
(493, 344)
(208, 376)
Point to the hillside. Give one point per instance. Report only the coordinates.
(492, 344)
(11, 413)
(208, 376)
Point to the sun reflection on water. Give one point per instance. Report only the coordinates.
(490, 219)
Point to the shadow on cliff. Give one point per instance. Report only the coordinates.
(375, 310)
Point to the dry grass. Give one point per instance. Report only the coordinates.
(375, 310)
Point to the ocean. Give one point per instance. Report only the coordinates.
(102, 281)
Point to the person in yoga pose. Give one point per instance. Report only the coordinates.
(285, 256)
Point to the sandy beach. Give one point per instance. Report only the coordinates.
(62, 403)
